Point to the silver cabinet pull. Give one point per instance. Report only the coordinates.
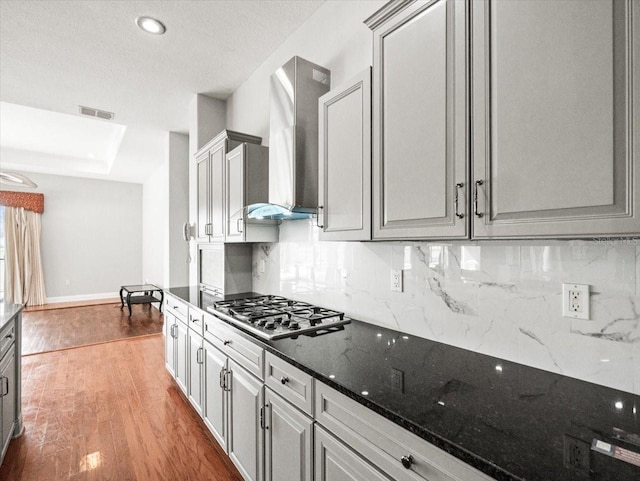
(475, 198)
(320, 207)
(284, 380)
(459, 215)
(222, 372)
(407, 461)
(199, 355)
(263, 421)
(226, 343)
(227, 380)
(238, 225)
(5, 386)
(9, 336)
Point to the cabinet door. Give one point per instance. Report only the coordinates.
(170, 343)
(334, 461)
(8, 400)
(181, 370)
(203, 197)
(556, 102)
(214, 410)
(288, 441)
(196, 359)
(218, 154)
(235, 172)
(344, 180)
(246, 441)
(420, 122)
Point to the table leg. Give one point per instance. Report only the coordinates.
(161, 300)
(129, 303)
(121, 299)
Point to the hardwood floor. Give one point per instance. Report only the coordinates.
(48, 330)
(110, 412)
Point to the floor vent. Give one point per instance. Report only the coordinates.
(101, 114)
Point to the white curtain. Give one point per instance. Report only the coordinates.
(24, 281)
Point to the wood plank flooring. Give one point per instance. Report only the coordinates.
(110, 412)
(49, 330)
(62, 305)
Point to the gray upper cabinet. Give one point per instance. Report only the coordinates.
(203, 198)
(420, 120)
(555, 106)
(247, 182)
(211, 192)
(344, 161)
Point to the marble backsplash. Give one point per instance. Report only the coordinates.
(501, 298)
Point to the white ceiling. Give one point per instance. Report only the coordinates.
(57, 55)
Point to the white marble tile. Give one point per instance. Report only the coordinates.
(501, 298)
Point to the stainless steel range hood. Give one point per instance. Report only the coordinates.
(293, 141)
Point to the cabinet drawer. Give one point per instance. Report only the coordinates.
(226, 338)
(384, 443)
(7, 338)
(177, 307)
(196, 320)
(290, 382)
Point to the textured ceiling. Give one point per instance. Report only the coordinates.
(56, 55)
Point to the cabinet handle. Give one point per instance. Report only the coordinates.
(238, 224)
(5, 386)
(459, 215)
(199, 355)
(227, 380)
(263, 423)
(407, 461)
(226, 343)
(222, 371)
(9, 336)
(475, 198)
(284, 380)
(320, 207)
(173, 331)
(175, 307)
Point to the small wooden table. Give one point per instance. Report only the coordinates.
(140, 294)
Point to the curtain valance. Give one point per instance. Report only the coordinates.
(27, 200)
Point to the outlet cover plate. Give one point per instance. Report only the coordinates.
(575, 301)
(396, 280)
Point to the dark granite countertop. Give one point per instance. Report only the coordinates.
(508, 420)
(8, 312)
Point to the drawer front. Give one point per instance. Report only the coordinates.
(226, 338)
(290, 382)
(177, 307)
(7, 338)
(196, 320)
(384, 443)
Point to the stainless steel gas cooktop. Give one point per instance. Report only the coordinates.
(275, 317)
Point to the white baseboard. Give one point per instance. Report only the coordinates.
(82, 297)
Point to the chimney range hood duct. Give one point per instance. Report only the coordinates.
(293, 141)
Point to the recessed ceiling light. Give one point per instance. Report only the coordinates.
(151, 25)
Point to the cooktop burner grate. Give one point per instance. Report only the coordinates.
(274, 317)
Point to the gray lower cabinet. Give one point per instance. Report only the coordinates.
(181, 351)
(288, 441)
(335, 461)
(420, 120)
(214, 410)
(344, 161)
(245, 436)
(8, 399)
(393, 450)
(556, 88)
(171, 336)
(195, 357)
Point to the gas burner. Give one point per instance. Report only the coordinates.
(275, 317)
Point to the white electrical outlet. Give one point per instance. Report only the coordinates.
(262, 266)
(575, 301)
(396, 280)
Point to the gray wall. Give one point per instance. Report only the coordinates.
(178, 208)
(91, 235)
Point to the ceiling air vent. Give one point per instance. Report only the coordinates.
(101, 114)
